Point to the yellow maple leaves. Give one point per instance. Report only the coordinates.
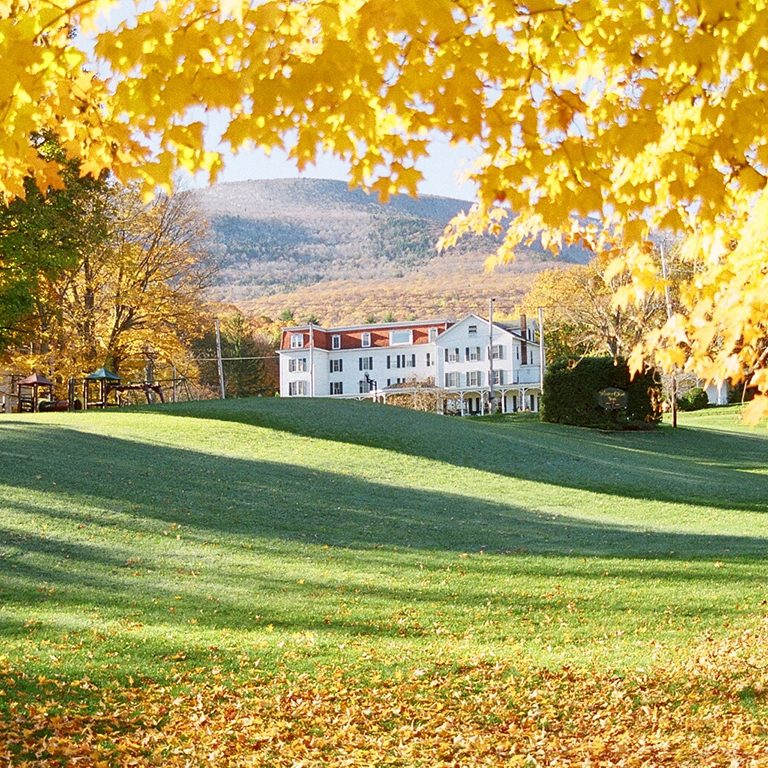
(705, 712)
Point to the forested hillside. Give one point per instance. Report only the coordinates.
(319, 248)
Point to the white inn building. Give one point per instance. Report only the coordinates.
(379, 361)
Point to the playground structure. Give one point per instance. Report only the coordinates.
(99, 389)
(109, 390)
(32, 392)
(104, 389)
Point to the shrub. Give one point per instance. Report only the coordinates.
(693, 400)
(579, 393)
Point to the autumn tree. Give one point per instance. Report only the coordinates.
(154, 272)
(42, 235)
(581, 317)
(598, 121)
(133, 295)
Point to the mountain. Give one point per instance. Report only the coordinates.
(318, 248)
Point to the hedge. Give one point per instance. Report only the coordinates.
(573, 391)
(693, 400)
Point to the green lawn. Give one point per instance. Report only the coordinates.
(296, 536)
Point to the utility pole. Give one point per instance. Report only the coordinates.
(218, 359)
(541, 352)
(311, 360)
(491, 391)
(668, 301)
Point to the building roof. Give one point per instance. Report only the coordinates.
(102, 374)
(37, 378)
(369, 326)
(515, 331)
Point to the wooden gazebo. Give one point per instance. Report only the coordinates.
(32, 390)
(103, 381)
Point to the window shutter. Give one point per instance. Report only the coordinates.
(446, 354)
(389, 362)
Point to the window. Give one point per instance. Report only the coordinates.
(498, 377)
(452, 379)
(429, 359)
(337, 388)
(297, 340)
(335, 341)
(498, 352)
(337, 365)
(297, 364)
(297, 389)
(365, 340)
(473, 354)
(474, 378)
(365, 385)
(365, 363)
(452, 355)
(411, 361)
(400, 337)
(433, 334)
(472, 330)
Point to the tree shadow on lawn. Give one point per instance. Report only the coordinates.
(686, 465)
(100, 553)
(100, 481)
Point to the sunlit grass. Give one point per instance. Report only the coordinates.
(297, 535)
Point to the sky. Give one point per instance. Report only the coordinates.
(442, 170)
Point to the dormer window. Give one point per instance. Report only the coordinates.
(400, 337)
(297, 340)
(432, 334)
(365, 340)
(336, 341)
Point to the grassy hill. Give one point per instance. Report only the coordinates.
(318, 247)
(319, 560)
